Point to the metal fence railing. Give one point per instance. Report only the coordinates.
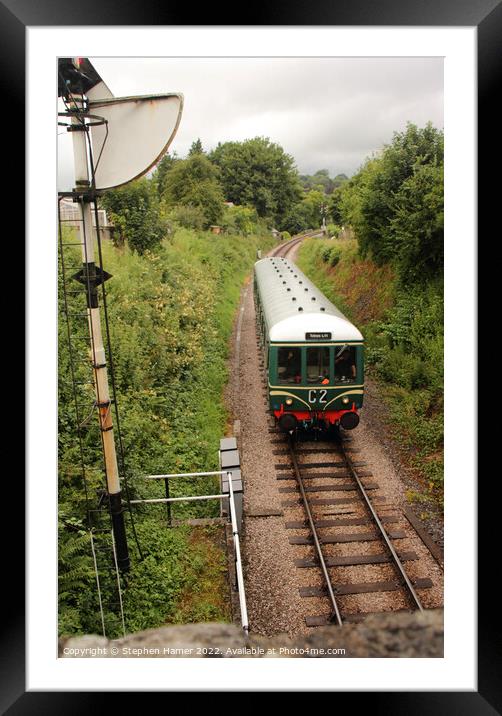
(234, 514)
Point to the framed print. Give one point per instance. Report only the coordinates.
(34, 38)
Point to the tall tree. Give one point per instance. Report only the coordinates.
(163, 167)
(196, 148)
(395, 203)
(418, 224)
(306, 214)
(258, 173)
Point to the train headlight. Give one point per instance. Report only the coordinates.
(289, 401)
(346, 400)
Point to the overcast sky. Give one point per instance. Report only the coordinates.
(328, 113)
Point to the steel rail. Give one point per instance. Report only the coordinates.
(286, 247)
(280, 251)
(396, 560)
(313, 530)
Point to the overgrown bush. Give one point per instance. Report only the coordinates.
(134, 212)
(395, 205)
(403, 331)
(331, 255)
(240, 220)
(189, 217)
(171, 313)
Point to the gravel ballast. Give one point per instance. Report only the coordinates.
(271, 577)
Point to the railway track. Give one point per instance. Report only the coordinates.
(345, 527)
(284, 249)
(338, 529)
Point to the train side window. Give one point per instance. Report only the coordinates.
(289, 365)
(345, 364)
(318, 365)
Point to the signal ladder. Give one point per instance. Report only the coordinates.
(72, 298)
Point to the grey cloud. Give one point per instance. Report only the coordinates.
(326, 112)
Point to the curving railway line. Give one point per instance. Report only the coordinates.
(287, 247)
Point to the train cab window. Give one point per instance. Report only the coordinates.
(345, 364)
(289, 365)
(318, 365)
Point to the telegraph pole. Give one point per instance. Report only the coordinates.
(92, 276)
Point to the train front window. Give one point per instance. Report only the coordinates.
(289, 365)
(318, 365)
(345, 364)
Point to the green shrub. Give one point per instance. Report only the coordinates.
(171, 313)
(189, 217)
(404, 349)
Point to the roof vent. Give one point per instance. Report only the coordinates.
(313, 298)
(300, 281)
(300, 308)
(288, 289)
(284, 283)
(294, 298)
(306, 289)
(322, 308)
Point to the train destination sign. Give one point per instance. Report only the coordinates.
(318, 336)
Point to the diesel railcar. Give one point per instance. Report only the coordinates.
(313, 354)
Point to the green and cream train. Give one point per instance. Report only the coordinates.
(313, 354)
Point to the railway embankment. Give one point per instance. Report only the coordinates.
(171, 312)
(403, 330)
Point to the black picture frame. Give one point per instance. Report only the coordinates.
(486, 15)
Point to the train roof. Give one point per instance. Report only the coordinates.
(293, 306)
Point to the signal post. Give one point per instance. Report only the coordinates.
(92, 276)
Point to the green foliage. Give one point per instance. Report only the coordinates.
(418, 225)
(297, 219)
(171, 314)
(334, 206)
(322, 180)
(195, 182)
(242, 220)
(331, 255)
(196, 148)
(161, 171)
(403, 348)
(134, 211)
(395, 204)
(412, 336)
(306, 214)
(258, 173)
(188, 217)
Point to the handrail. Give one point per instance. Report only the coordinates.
(192, 498)
(238, 562)
(233, 520)
(184, 474)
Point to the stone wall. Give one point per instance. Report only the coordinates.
(380, 635)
